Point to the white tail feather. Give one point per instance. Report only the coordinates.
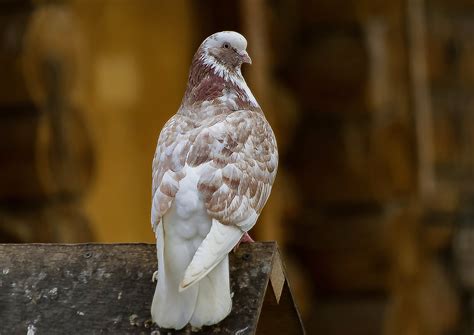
(203, 263)
(214, 300)
(215, 247)
(171, 308)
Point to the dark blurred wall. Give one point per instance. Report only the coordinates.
(46, 156)
(381, 160)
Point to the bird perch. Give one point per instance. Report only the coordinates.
(97, 288)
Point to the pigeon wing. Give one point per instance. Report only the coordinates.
(235, 183)
(169, 160)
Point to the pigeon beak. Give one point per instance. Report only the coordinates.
(245, 57)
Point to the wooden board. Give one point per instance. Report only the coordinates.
(107, 288)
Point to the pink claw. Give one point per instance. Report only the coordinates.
(244, 239)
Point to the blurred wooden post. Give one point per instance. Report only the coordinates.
(95, 288)
(421, 100)
(255, 26)
(418, 280)
(46, 159)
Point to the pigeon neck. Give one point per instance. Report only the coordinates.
(210, 81)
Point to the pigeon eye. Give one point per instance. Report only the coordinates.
(226, 45)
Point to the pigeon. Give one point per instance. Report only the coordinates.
(215, 163)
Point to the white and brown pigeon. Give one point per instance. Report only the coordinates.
(213, 170)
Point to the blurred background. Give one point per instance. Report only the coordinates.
(372, 103)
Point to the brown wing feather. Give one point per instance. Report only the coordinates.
(237, 182)
(171, 152)
(240, 160)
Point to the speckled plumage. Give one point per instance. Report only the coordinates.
(216, 160)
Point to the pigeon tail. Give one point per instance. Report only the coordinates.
(209, 271)
(171, 308)
(206, 300)
(214, 301)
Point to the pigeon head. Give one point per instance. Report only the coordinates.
(215, 73)
(227, 49)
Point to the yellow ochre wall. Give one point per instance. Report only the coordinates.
(137, 59)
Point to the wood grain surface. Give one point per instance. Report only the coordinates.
(107, 288)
